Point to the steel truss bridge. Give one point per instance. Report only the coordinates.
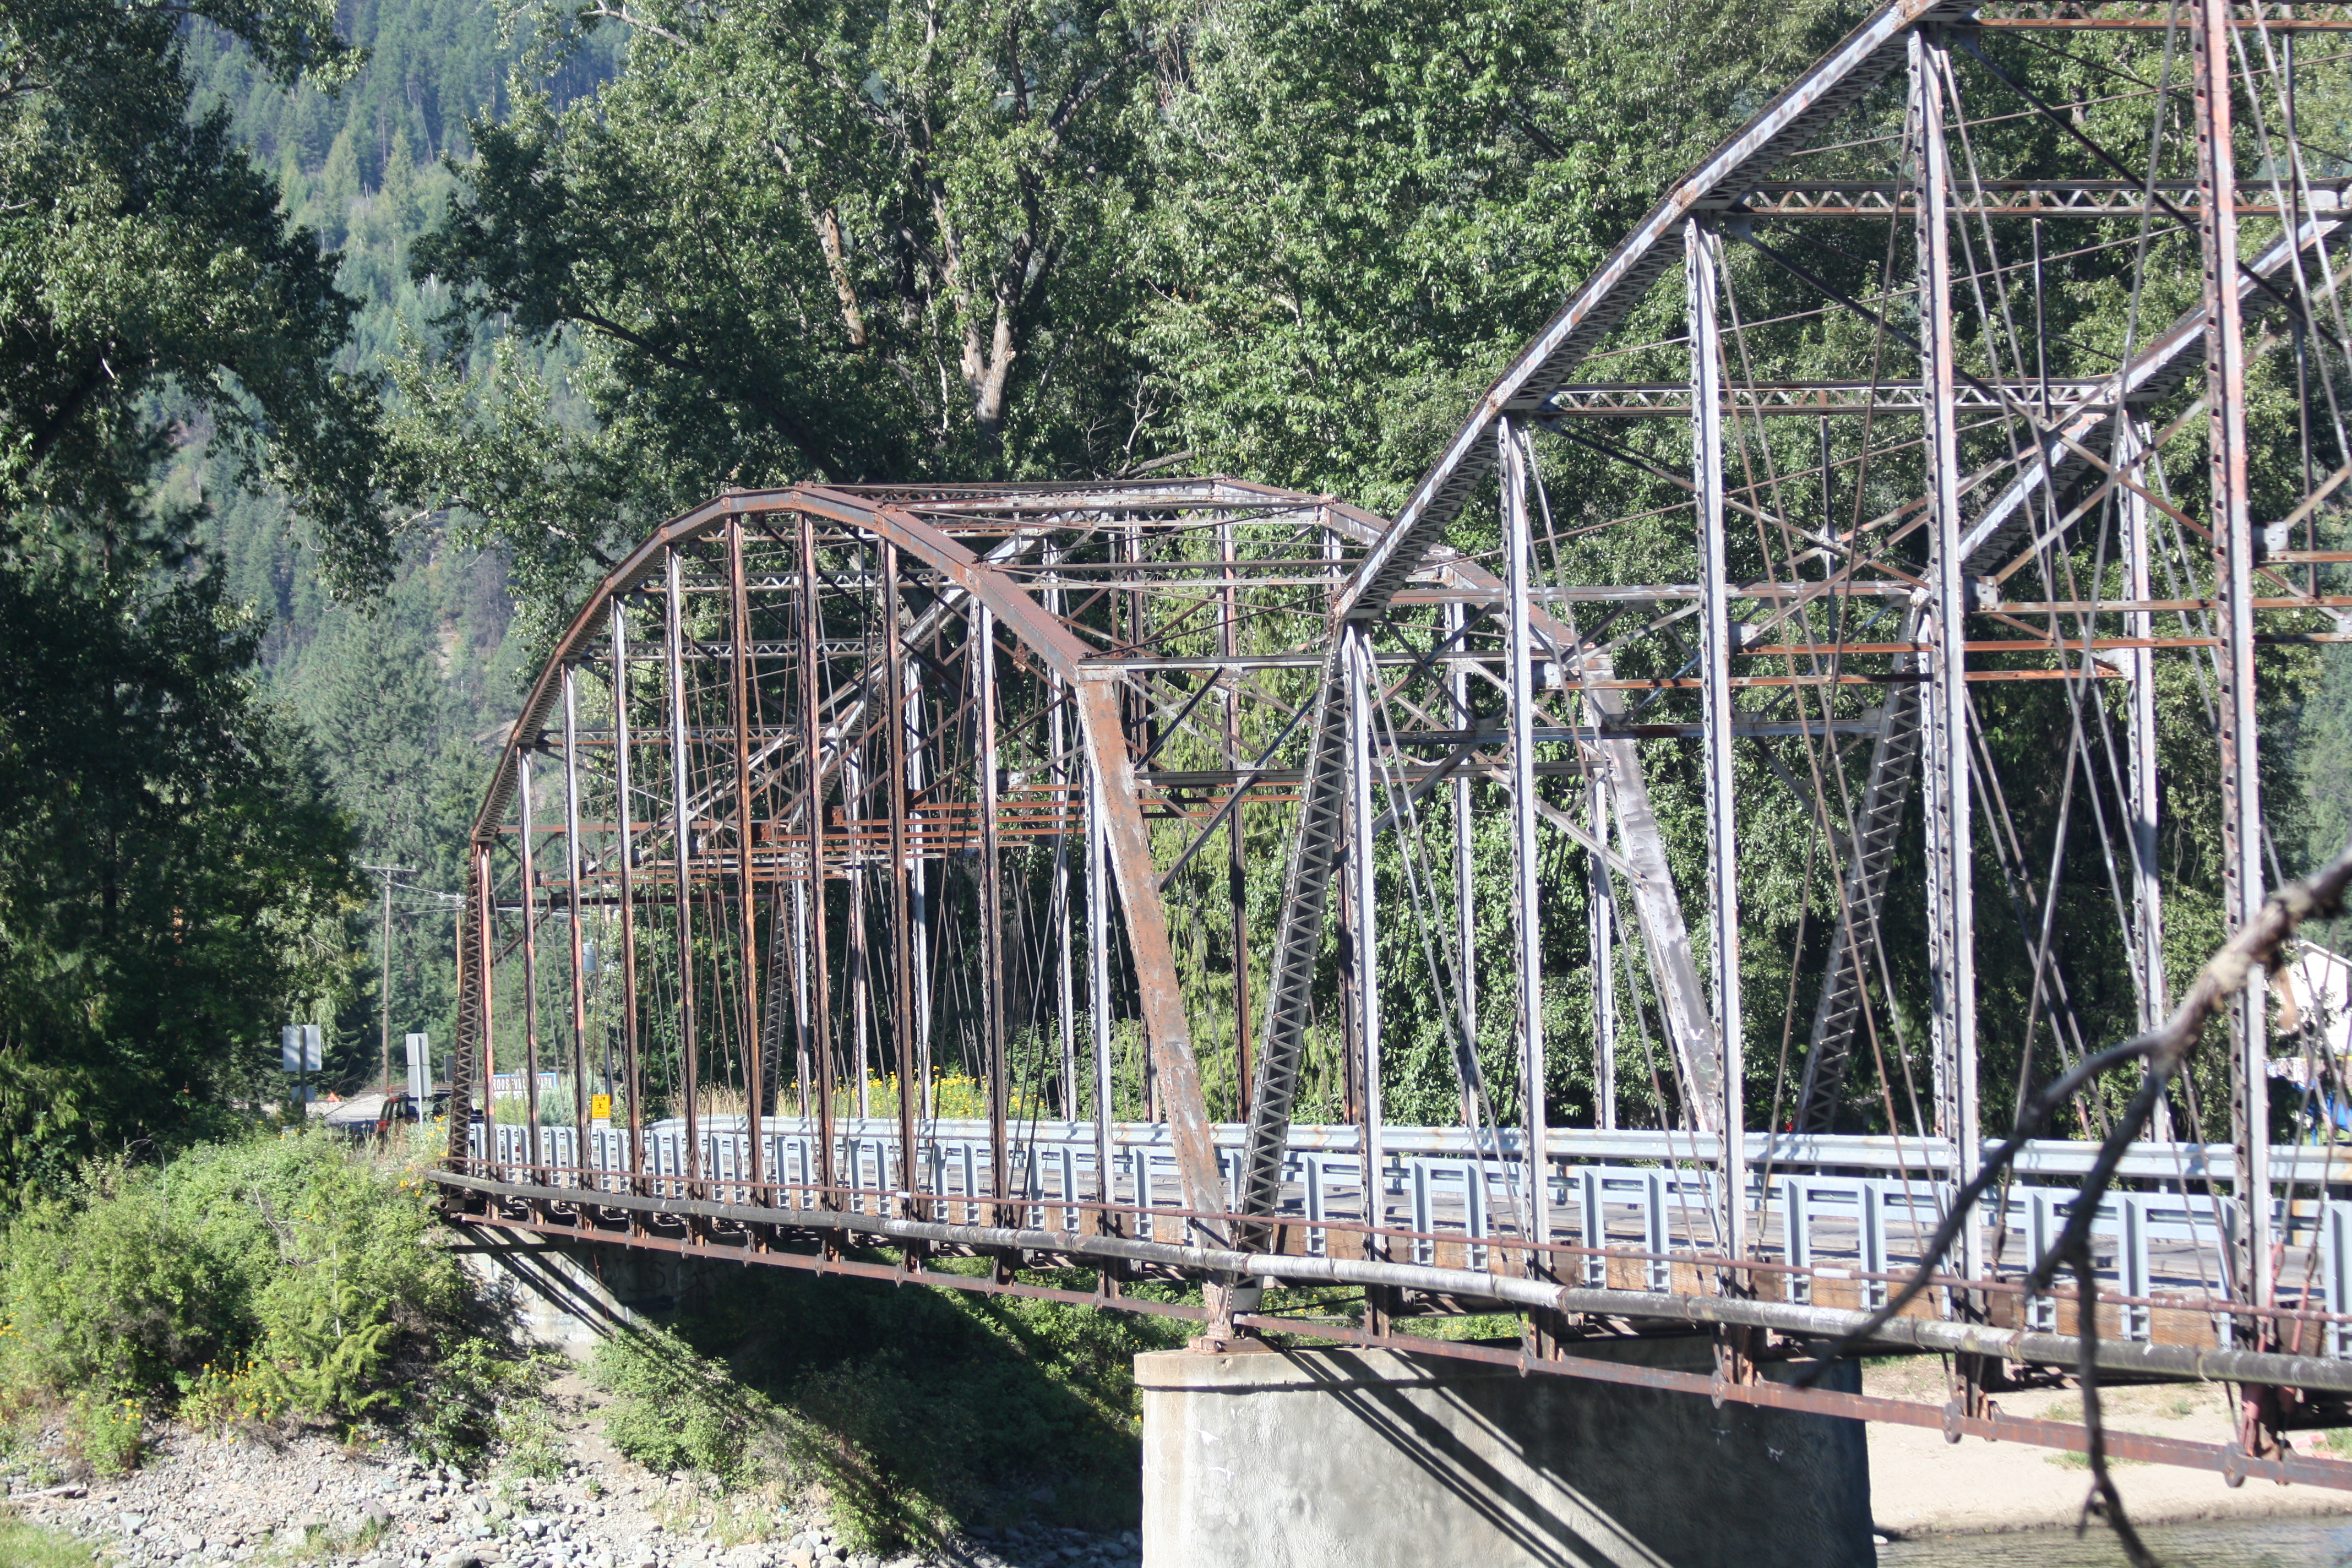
(886, 853)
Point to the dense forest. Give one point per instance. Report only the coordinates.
(344, 344)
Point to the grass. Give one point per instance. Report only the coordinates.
(25, 1545)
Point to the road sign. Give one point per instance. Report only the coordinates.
(600, 1108)
(420, 1068)
(299, 1049)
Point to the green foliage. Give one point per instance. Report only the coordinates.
(168, 858)
(286, 1263)
(675, 1410)
(168, 866)
(141, 253)
(328, 1361)
(930, 273)
(400, 690)
(474, 1393)
(24, 1545)
(105, 1433)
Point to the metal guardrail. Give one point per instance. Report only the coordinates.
(1831, 1220)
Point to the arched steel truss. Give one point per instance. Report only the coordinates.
(860, 775)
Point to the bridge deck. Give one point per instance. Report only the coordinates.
(1820, 1234)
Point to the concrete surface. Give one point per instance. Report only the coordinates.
(1374, 1459)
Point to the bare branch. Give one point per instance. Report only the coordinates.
(2256, 947)
(604, 11)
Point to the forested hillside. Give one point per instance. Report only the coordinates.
(406, 693)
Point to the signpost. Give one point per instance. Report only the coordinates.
(301, 1052)
(420, 1071)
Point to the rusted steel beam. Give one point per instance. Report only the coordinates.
(473, 1031)
(902, 957)
(2060, 1435)
(981, 649)
(819, 971)
(1166, 1033)
(2022, 1346)
(1236, 838)
(571, 912)
(485, 970)
(754, 1074)
(530, 973)
(625, 855)
(674, 686)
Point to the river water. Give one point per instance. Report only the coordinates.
(2220, 1543)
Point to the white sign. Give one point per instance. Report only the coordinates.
(420, 1068)
(299, 1049)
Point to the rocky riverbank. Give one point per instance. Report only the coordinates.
(234, 1500)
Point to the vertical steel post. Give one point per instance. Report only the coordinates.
(902, 959)
(682, 847)
(1237, 838)
(1056, 747)
(458, 1148)
(2147, 909)
(530, 968)
(1951, 903)
(802, 1021)
(2233, 571)
(754, 1068)
(1518, 572)
(1363, 890)
(819, 970)
(992, 910)
(1466, 867)
(1716, 636)
(571, 882)
(1601, 926)
(918, 906)
(633, 1068)
(485, 946)
(852, 789)
(385, 1083)
(1098, 982)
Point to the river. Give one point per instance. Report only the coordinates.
(2218, 1543)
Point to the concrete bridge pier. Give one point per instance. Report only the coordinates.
(1370, 1459)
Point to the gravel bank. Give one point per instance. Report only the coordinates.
(202, 1500)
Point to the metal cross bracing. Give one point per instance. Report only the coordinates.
(1088, 874)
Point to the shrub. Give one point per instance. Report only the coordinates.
(104, 1433)
(256, 1280)
(675, 1410)
(477, 1392)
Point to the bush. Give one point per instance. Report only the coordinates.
(104, 1434)
(675, 1410)
(254, 1280)
(477, 1392)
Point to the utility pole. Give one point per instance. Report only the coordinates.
(388, 873)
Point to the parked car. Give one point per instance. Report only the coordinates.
(401, 1110)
